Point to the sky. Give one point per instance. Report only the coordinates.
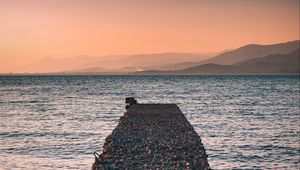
(34, 29)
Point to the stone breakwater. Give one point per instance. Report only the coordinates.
(152, 136)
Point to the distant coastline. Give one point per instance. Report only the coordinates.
(140, 74)
(281, 58)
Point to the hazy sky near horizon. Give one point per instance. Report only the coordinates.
(35, 29)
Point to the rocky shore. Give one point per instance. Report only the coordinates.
(152, 136)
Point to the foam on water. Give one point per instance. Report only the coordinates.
(57, 122)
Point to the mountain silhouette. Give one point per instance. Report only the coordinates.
(271, 64)
(243, 53)
(114, 63)
(252, 51)
(240, 60)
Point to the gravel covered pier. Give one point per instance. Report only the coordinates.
(152, 136)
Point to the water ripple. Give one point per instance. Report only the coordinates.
(57, 122)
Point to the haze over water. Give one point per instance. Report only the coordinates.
(57, 122)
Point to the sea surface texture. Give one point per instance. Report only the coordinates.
(57, 122)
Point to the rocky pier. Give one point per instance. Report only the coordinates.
(152, 136)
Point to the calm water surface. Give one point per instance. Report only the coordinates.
(57, 122)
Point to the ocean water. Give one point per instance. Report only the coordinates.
(57, 122)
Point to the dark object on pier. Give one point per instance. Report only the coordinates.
(129, 101)
(152, 136)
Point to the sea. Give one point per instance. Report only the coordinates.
(58, 122)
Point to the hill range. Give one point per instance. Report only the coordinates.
(252, 58)
(271, 64)
(257, 59)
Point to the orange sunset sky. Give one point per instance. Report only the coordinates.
(34, 29)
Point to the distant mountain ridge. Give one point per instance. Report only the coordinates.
(271, 64)
(241, 54)
(112, 63)
(252, 51)
(229, 61)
